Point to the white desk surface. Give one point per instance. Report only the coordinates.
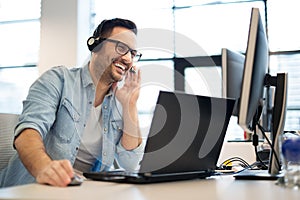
(224, 187)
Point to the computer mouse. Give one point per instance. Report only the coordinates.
(76, 181)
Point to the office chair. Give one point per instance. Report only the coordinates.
(7, 125)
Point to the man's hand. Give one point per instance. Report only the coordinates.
(57, 173)
(129, 93)
(128, 96)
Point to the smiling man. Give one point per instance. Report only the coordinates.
(77, 120)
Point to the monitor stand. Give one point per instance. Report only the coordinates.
(278, 119)
(255, 174)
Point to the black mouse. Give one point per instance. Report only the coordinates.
(76, 181)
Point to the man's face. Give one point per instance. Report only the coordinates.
(110, 65)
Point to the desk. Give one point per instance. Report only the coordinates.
(219, 188)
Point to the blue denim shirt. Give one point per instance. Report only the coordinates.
(58, 106)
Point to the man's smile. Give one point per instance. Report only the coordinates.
(120, 67)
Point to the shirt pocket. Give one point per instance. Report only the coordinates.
(66, 122)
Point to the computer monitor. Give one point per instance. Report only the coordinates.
(255, 80)
(232, 75)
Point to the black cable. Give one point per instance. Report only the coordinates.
(259, 159)
(258, 163)
(271, 145)
(242, 163)
(255, 141)
(235, 159)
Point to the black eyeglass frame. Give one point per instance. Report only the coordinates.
(135, 55)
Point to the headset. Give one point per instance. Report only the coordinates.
(96, 39)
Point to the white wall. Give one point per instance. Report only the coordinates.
(65, 27)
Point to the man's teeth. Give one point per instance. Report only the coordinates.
(120, 66)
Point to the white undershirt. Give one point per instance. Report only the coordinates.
(91, 142)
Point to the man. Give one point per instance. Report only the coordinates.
(78, 119)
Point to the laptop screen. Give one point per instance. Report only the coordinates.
(186, 133)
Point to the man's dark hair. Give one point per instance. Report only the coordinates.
(105, 28)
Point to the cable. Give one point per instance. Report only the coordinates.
(255, 141)
(260, 160)
(241, 162)
(271, 145)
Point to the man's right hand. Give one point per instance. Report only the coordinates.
(57, 173)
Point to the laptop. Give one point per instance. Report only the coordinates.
(184, 141)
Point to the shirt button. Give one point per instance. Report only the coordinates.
(105, 107)
(104, 153)
(105, 129)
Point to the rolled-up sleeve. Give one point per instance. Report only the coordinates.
(130, 160)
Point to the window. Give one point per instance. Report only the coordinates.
(15, 83)
(284, 43)
(289, 62)
(19, 39)
(19, 32)
(282, 29)
(215, 25)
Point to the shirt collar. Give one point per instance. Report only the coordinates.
(86, 75)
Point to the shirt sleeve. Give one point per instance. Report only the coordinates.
(130, 159)
(40, 106)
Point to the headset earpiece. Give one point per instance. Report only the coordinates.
(92, 43)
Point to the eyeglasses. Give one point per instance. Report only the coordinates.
(122, 49)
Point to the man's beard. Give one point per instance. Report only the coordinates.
(110, 76)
